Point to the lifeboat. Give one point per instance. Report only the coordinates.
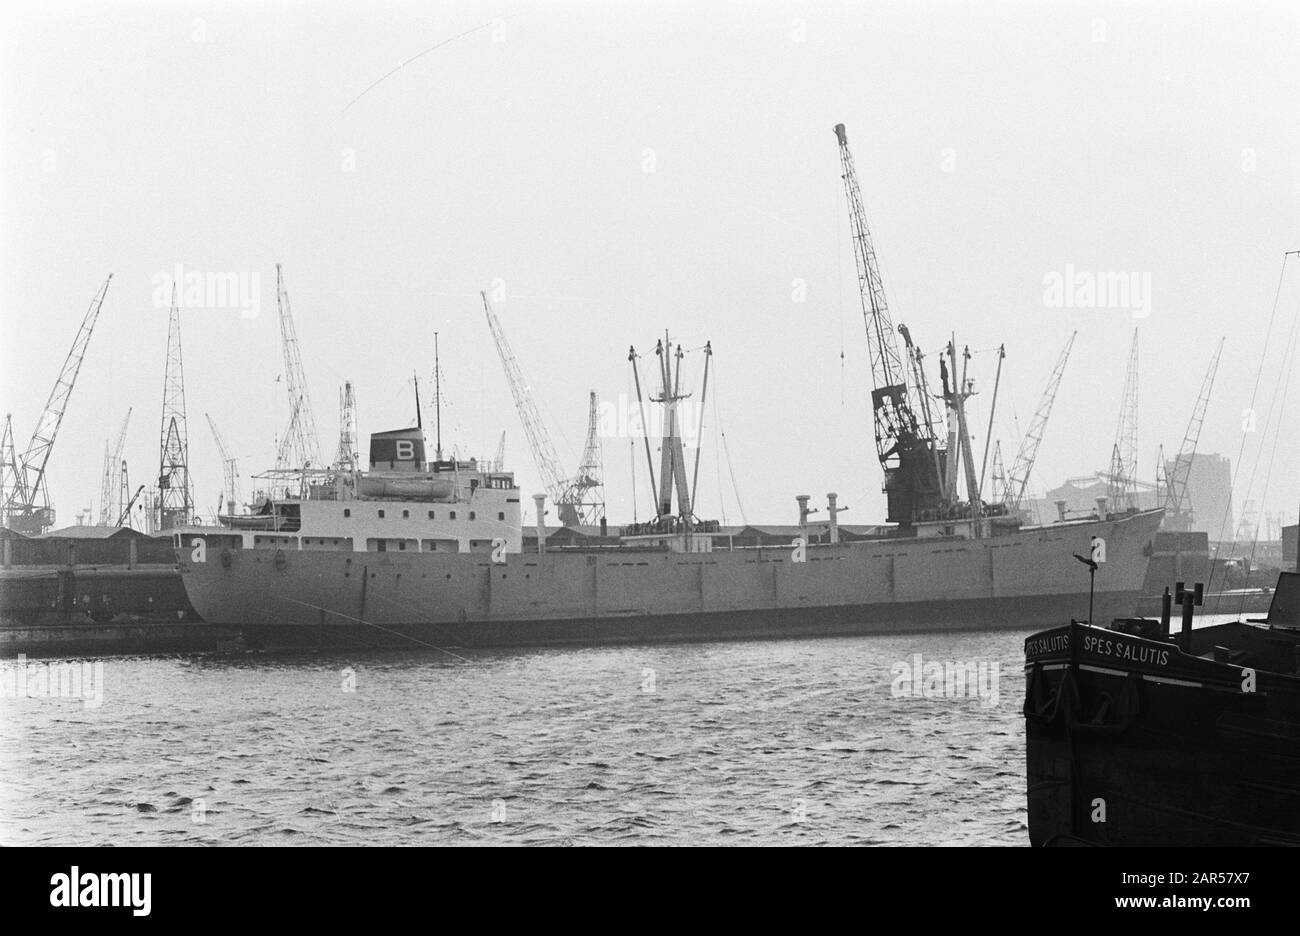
(429, 489)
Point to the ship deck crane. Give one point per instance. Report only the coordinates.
(905, 445)
(27, 507)
(1177, 508)
(1013, 491)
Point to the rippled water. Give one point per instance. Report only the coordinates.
(771, 742)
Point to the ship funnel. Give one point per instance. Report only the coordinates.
(397, 450)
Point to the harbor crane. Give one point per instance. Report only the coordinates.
(124, 518)
(303, 449)
(110, 491)
(9, 462)
(347, 457)
(175, 492)
(1178, 510)
(566, 493)
(1120, 485)
(27, 505)
(229, 469)
(1013, 490)
(587, 489)
(906, 446)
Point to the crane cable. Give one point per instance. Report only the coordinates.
(1259, 372)
(722, 432)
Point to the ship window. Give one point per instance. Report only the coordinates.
(347, 512)
(453, 515)
(406, 514)
(501, 516)
(401, 544)
(430, 514)
(471, 515)
(381, 515)
(381, 545)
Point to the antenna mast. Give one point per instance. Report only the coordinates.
(437, 397)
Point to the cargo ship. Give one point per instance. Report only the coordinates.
(414, 552)
(447, 568)
(1136, 735)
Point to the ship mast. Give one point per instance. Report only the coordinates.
(437, 397)
(672, 465)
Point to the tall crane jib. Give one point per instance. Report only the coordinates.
(229, 471)
(1013, 488)
(110, 501)
(1178, 513)
(548, 463)
(26, 508)
(1121, 482)
(905, 445)
(303, 447)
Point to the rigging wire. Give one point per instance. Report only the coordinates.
(1259, 372)
(418, 55)
(1287, 357)
(717, 463)
(731, 469)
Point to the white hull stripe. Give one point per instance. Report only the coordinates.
(1166, 680)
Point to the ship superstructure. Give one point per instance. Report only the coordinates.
(402, 503)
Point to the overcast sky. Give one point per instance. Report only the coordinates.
(615, 170)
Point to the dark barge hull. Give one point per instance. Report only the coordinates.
(1131, 741)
